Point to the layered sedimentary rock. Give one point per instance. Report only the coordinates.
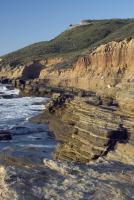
(89, 127)
(123, 153)
(108, 67)
(109, 64)
(112, 60)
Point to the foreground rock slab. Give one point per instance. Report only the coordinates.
(21, 179)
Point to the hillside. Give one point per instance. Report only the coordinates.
(75, 40)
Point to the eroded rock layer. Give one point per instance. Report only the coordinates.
(105, 68)
(89, 127)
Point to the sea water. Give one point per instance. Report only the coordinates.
(32, 141)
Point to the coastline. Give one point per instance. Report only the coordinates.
(76, 178)
(85, 125)
(19, 137)
(67, 102)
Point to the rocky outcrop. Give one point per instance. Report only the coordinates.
(123, 153)
(89, 127)
(5, 135)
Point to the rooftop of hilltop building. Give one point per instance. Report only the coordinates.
(92, 21)
(82, 23)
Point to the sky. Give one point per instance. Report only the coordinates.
(23, 22)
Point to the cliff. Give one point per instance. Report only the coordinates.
(95, 125)
(109, 64)
(108, 71)
(103, 118)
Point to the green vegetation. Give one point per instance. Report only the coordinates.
(75, 40)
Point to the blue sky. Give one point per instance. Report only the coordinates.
(23, 22)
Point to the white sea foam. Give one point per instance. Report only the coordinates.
(16, 110)
(4, 89)
(29, 140)
(36, 145)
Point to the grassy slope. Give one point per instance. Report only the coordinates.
(74, 41)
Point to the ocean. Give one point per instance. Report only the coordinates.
(29, 140)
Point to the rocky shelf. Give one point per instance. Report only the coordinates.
(88, 129)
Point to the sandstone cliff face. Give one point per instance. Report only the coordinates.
(10, 73)
(109, 71)
(25, 71)
(109, 67)
(29, 71)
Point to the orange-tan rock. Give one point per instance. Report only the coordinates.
(109, 68)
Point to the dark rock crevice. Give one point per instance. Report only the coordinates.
(32, 71)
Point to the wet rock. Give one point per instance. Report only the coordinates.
(5, 135)
(20, 130)
(9, 87)
(7, 96)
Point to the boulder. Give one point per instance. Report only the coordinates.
(5, 135)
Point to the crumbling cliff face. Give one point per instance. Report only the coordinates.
(10, 73)
(108, 71)
(29, 71)
(105, 68)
